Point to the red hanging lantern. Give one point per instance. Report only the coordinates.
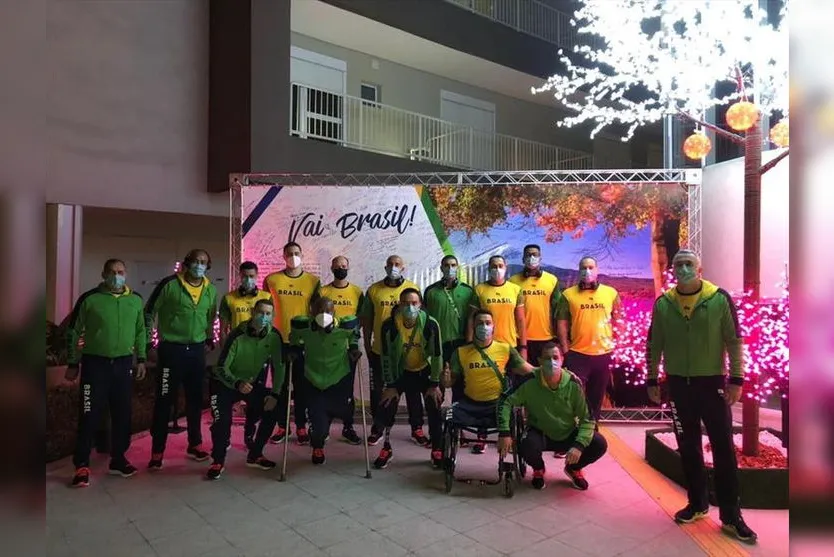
(697, 146)
(742, 116)
(780, 134)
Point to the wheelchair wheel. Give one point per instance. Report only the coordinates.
(508, 486)
(518, 435)
(450, 449)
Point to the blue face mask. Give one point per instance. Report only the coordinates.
(394, 273)
(198, 270)
(450, 272)
(262, 320)
(248, 283)
(483, 331)
(115, 282)
(411, 312)
(685, 273)
(549, 367)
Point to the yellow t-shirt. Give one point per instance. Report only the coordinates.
(194, 291)
(501, 301)
(235, 308)
(291, 296)
(480, 382)
(346, 300)
(415, 356)
(589, 315)
(377, 305)
(686, 302)
(540, 294)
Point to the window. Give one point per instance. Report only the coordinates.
(369, 93)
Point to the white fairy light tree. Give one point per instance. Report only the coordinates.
(656, 58)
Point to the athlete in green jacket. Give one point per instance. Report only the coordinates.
(109, 319)
(694, 328)
(248, 354)
(558, 420)
(328, 345)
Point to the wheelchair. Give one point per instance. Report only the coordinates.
(508, 472)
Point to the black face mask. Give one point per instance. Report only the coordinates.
(340, 274)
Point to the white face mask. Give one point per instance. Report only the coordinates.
(532, 261)
(496, 273)
(394, 273)
(324, 320)
(293, 261)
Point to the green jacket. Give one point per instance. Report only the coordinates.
(393, 353)
(555, 412)
(450, 307)
(180, 320)
(695, 347)
(111, 325)
(246, 354)
(326, 360)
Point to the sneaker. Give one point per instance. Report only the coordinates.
(156, 462)
(578, 478)
(197, 453)
(559, 454)
(215, 471)
(385, 456)
(81, 477)
(260, 462)
(374, 438)
(349, 435)
(689, 514)
(279, 437)
(419, 437)
(301, 436)
(479, 446)
(123, 469)
(318, 456)
(437, 458)
(739, 530)
(538, 479)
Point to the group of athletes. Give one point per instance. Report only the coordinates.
(511, 341)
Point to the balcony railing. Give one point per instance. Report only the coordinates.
(527, 16)
(370, 126)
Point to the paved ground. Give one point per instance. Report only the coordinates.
(333, 510)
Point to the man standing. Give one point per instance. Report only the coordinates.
(505, 302)
(236, 308)
(292, 291)
(586, 335)
(249, 352)
(694, 328)
(541, 297)
(111, 321)
(411, 364)
(328, 345)
(381, 298)
(347, 300)
(558, 420)
(184, 306)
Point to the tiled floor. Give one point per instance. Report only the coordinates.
(334, 510)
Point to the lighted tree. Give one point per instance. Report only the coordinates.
(658, 58)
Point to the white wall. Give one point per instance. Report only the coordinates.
(722, 224)
(128, 105)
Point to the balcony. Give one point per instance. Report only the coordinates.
(361, 124)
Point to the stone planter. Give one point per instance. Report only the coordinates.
(765, 488)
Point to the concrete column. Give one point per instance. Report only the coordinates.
(63, 259)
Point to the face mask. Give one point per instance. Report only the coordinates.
(483, 332)
(198, 270)
(394, 273)
(248, 283)
(115, 282)
(587, 275)
(549, 367)
(262, 320)
(324, 320)
(293, 261)
(532, 261)
(411, 312)
(340, 274)
(685, 273)
(450, 272)
(496, 274)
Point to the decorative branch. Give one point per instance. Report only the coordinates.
(735, 138)
(767, 166)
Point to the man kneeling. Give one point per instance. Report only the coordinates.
(558, 420)
(250, 350)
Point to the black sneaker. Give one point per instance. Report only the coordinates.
(689, 514)
(123, 469)
(279, 437)
(301, 436)
(437, 458)
(260, 462)
(559, 454)
(155, 463)
(318, 456)
(538, 479)
(739, 530)
(419, 437)
(215, 471)
(385, 456)
(577, 478)
(197, 453)
(350, 436)
(81, 477)
(479, 446)
(374, 438)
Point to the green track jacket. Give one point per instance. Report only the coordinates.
(695, 347)
(246, 353)
(393, 354)
(326, 359)
(112, 325)
(180, 320)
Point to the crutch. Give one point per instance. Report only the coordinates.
(364, 421)
(283, 475)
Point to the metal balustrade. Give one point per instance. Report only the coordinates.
(370, 126)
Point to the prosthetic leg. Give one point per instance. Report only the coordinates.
(364, 424)
(283, 475)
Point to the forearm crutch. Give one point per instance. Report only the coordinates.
(283, 475)
(364, 421)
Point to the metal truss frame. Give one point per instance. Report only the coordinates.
(635, 415)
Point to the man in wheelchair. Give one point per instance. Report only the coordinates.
(558, 420)
(482, 365)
